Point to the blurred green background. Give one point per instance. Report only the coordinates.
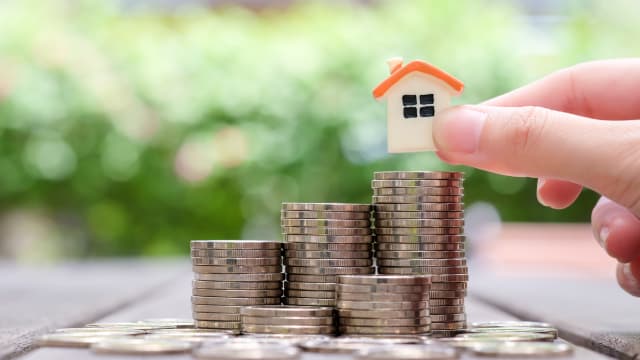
(128, 130)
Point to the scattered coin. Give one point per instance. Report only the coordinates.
(544, 330)
(275, 276)
(247, 351)
(288, 329)
(140, 346)
(408, 352)
(417, 175)
(236, 244)
(509, 336)
(192, 338)
(511, 324)
(352, 344)
(232, 285)
(343, 207)
(519, 349)
(129, 325)
(329, 223)
(236, 269)
(171, 322)
(200, 333)
(81, 339)
(337, 215)
(327, 262)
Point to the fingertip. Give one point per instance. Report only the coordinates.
(627, 276)
(617, 230)
(557, 194)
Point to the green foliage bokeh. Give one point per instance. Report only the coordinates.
(135, 131)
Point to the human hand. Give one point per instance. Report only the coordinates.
(552, 130)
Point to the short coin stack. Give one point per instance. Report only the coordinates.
(383, 304)
(323, 240)
(419, 226)
(284, 319)
(230, 274)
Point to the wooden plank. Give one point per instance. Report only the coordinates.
(173, 301)
(36, 300)
(593, 313)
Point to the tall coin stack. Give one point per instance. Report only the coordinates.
(284, 319)
(323, 240)
(419, 226)
(230, 274)
(383, 304)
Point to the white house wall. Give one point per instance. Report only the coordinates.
(409, 135)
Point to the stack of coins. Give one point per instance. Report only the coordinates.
(323, 240)
(419, 226)
(296, 320)
(230, 274)
(383, 304)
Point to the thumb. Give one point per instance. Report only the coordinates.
(538, 142)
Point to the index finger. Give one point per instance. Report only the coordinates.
(604, 90)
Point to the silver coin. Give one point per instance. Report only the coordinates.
(224, 309)
(80, 339)
(544, 330)
(389, 245)
(310, 246)
(282, 321)
(509, 336)
(229, 285)
(341, 240)
(388, 215)
(415, 183)
(327, 254)
(352, 344)
(511, 324)
(359, 270)
(329, 223)
(237, 293)
(391, 330)
(216, 316)
(519, 349)
(236, 244)
(449, 286)
(247, 351)
(447, 191)
(420, 254)
(207, 324)
(418, 321)
(286, 311)
(327, 262)
(450, 278)
(288, 329)
(113, 331)
(439, 334)
(265, 277)
(344, 207)
(447, 294)
(129, 325)
(381, 296)
(448, 317)
(292, 230)
(419, 223)
(348, 215)
(446, 302)
(383, 288)
(295, 285)
(202, 333)
(308, 301)
(236, 269)
(238, 253)
(450, 325)
(412, 199)
(408, 352)
(205, 300)
(433, 270)
(171, 322)
(310, 294)
(419, 231)
(422, 262)
(419, 207)
(329, 279)
(442, 310)
(382, 305)
(416, 175)
(141, 346)
(382, 314)
(275, 339)
(236, 261)
(384, 279)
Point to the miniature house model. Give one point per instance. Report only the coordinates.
(415, 94)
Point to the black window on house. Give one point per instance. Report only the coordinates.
(412, 109)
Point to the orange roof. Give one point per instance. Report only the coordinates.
(416, 65)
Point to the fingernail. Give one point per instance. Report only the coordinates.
(603, 235)
(458, 130)
(541, 183)
(626, 270)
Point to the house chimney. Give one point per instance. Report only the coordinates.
(394, 64)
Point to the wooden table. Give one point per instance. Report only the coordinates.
(591, 312)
